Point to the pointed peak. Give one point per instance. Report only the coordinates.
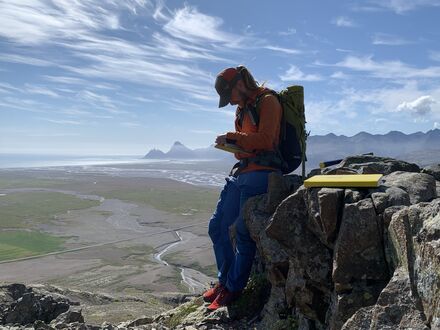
(177, 143)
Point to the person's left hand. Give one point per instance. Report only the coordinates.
(221, 139)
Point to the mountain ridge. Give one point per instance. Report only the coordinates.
(332, 146)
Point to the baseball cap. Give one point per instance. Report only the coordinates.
(224, 83)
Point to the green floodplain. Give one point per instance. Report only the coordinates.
(22, 213)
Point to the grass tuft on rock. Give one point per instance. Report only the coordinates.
(254, 297)
(182, 313)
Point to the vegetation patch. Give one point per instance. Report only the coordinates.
(17, 181)
(182, 313)
(25, 209)
(19, 244)
(289, 323)
(253, 298)
(188, 201)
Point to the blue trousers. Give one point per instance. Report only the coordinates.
(234, 266)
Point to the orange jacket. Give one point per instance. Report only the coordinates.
(254, 138)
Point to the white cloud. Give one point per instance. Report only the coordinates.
(62, 121)
(42, 21)
(288, 32)
(295, 74)
(344, 50)
(65, 80)
(21, 59)
(401, 6)
(143, 99)
(340, 75)
(343, 22)
(380, 103)
(434, 55)
(40, 90)
(22, 104)
(8, 87)
(283, 50)
(130, 124)
(177, 50)
(103, 102)
(420, 106)
(169, 59)
(189, 24)
(387, 69)
(436, 125)
(389, 40)
(195, 131)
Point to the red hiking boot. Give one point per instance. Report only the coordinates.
(224, 298)
(211, 294)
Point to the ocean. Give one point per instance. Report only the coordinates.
(32, 160)
(196, 172)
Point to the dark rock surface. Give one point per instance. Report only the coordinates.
(21, 305)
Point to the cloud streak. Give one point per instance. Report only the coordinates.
(387, 69)
(400, 6)
(343, 22)
(295, 74)
(389, 40)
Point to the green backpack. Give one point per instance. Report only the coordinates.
(292, 148)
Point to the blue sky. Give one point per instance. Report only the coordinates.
(121, 77)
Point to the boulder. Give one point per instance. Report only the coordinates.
(420, 187)
(31, 307)
(366, 164)
(389, 196)
(433, 170)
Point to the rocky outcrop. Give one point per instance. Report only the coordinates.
(354, 258)
(26, 307)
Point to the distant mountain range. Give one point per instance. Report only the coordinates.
(179, 151)
(420, 148)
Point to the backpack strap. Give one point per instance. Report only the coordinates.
(266, 158)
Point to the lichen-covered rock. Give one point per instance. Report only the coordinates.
(308, 285)
(31, 307)
(390, 196)
(420, 187)
(414, 236)
(359, 251)
(433, 170)
(345, 303)
(396, 308)
(354, 195)
(325, 210)
(372, 164)
(279, 187)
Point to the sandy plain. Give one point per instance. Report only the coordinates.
(142, 243)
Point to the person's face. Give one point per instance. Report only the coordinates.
(238, 94)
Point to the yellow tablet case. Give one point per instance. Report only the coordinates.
(346, 180)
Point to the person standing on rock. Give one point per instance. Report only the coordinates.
(258, 136)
